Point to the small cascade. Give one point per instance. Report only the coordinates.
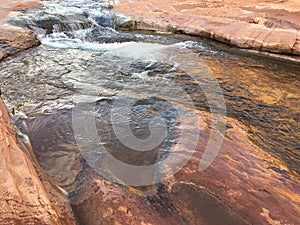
(98, 60)
(85, 21)
(72, 27)
(79, 24)
(83, 59)
(80, 31)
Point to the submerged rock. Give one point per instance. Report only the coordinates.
(239, 188)
(27, 196)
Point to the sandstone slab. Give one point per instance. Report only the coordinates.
(271, 26)
(15, 39)
(24, 198)
(244, 185)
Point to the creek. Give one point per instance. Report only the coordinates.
(84, 56)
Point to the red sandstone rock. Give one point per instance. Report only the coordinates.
(15, 39)
(271, 26)
(97, 201)
(241, 174)
(253, 183)
(244, 185)
(24, 199)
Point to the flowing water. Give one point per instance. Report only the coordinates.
(82, 56)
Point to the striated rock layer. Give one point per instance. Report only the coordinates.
(272, 26)
(24, 198)
(244, 185)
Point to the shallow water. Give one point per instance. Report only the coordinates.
(86, 58)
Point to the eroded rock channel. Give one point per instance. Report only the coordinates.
(253, 180)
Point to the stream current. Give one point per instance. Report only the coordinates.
(83, 55)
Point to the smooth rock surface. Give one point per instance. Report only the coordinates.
(251, 182)
(97, 201)
(244, 185)
(24, 198)
(271, 26)
(15, 39)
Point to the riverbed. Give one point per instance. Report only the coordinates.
(83, 58)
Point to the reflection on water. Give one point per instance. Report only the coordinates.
(41, 83)
(263, 94)
(54, 145)
(143, 111)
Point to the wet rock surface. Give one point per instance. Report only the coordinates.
(27, 195)
(271, 26)
(244, 180)
(15, 39)
(96, 201)
(24, 198)
(245, 189)
(246, 184)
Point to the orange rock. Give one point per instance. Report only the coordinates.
(24, 199)
(97, 201)
(244, 185)
(271, 26)
(251, 182)
(15, 39)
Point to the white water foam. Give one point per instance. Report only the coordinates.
(68, 43)
(139, 51)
